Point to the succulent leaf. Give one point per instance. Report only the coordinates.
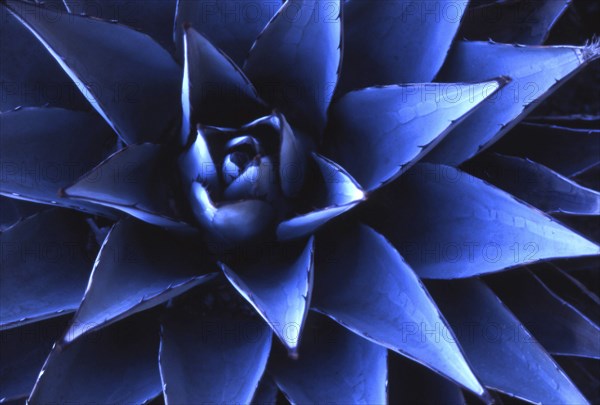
(294, 62)
(13, 211)
(23, 351)
(279, 290)
(212, 357)
(45, 266)
(381, 304)
(231, 25)
(335, 365)
(503, 353)
(123, 73)
(381, 45)
(536, 71)
(558, 326)
(132, 180)
(116, 365)
(468, 227)
(342, 193)
(45, 149)
(537, 185)
(212, 84)
(138, 267)
(521, 22)
(379, 132)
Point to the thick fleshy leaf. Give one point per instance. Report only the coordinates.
(152, 17)
(411, 383)
(391, 42)
(23, 351)
(294, 62)
(196, 163)
(123, 73)
(117, 365)
(379, 132)
(466, 226)
(334, 366)
(570, 289)
(565, 150)
(231, 224)
(341, 193)
(557, 325)
(279, 288)
(29, 76)
(293, 155)
(137, 268)
(14, 211)
(215, 357)
(387, 304)
(504, 354)
(521, 22)
(536, 185)
(212, 85)
(46, 262)
(231, 25)
(45, 149)
(133, 180)
(259, 181)
(536, 71)
(585, 373)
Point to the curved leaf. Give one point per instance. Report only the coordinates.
(46, 261)
(123, 73)
(44, 149)
(117, 365)
(212, 84)
(536, 71)
(559, 327)
(565, 150)
(294, 62)
(137, 268)
(196, 163)
(504, 354)
(467, 227)
(232, 25)
(379, 132)
(232, 224)
(387, 304)
(29, 76)
(522, 22)
(537, 185)
(341, 193)
(23, 351)
(279, 289)
(391, 42)
(293, 155)
(217, 357)
(133, 180)
(152, 17)
(334, 366)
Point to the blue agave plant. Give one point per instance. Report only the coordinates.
(249, 200)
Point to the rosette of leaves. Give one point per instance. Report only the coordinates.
(308, 200)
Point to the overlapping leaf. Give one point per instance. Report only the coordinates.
(378, 132)
(117, 365)
(340, 194)
(537, 185)
(391, 42)
(535, 72)
(279, 288)
(504, 354)
(364, 284)
(45, 149)
(294, 62)
(46, 261)
(123, 73)
(335, 366)
(138, 267)
(212, 357)
(467, 227)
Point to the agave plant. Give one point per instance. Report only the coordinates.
(325, 201)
